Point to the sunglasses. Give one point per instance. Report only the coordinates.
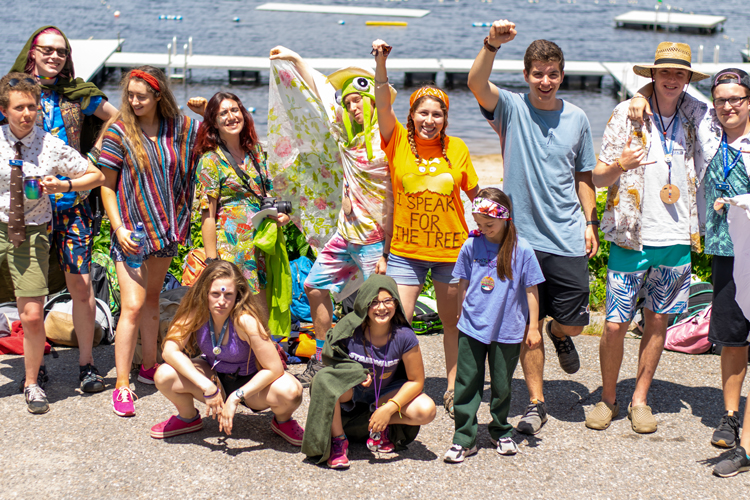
(47, 51)
(15, 81)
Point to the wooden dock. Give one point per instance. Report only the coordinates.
(668, 20)
(90, 56)
(342, 10)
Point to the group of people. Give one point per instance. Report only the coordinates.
(381, 204)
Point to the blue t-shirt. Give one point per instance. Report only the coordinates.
(542, 152)
(403, 340)
(500, 314)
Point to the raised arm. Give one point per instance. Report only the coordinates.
(484, 91)
(282, 53)
(386, 116)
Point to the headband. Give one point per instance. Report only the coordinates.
(153, 82)
(485, 206)
(431, 91)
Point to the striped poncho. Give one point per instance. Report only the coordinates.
(158, 194)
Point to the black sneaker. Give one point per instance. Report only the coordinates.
(313, 367)
(41, 379)
(534, 418)
(728, 431)
(566, 351)
(90, 379)
(36, 399)
(733, 466)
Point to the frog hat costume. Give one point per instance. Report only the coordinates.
(360, 81)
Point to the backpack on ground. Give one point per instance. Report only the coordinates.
(195, 263)
(58, 322)
(105, 283)
(690, 335)
(700, 295)
(300, 305)
(426, 320)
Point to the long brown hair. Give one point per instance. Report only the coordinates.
(410, 126)
(208, 134)
(166, 108)
(193, 311)
(507, 248)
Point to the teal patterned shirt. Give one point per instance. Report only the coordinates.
(718, 241)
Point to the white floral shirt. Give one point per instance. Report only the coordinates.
(621, 222)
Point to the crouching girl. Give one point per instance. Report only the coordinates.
(373, 361)
(239, 365)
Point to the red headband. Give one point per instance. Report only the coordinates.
(431, 91)
(153, 82)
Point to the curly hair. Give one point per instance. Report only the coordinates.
(410, 126)
(23, 86)
(208, 133)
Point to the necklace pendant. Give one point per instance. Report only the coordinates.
(347, 205)
(487, 284)
(670, 194)
(217, 350)
(668, 158)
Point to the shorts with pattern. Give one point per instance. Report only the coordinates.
(72, 236)
(342, 267)
(118, 255)
(663, 271)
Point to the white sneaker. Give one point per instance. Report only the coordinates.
(505, 446)
(457, 453)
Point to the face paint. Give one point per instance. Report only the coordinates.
(223, 289)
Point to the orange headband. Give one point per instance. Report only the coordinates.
(431, 91)
(153, 82)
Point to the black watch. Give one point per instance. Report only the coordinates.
(592, 223)
(209, 260)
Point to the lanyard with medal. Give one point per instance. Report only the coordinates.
(728, 167)
(487, 282)
(669, 193)
(493, 209)
(377, 381)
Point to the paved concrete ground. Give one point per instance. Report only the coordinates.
(80, 449)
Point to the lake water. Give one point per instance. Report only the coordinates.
(584, 29)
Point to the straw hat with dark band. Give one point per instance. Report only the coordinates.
(671, 55)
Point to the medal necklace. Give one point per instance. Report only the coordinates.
(669, 193)
(487, 282)
(217, 345)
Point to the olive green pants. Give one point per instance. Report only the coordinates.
(503, 359)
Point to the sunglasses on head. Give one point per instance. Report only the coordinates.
(47, 51)
(15, 81)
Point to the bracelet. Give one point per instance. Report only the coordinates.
(397, 404)
(380, 83)
(118, 228)
(214, 394)
(592, 223)
(489, 47)
(70, 185)
(619, 164)
(385, 255)
(639, 96)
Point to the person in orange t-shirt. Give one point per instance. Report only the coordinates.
(428, 172)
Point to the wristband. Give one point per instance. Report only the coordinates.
(490, 47)
(385, 255)
(592, 223)
(397, 404)
(637, 96)
(380, 83)
(214, 394)
(118, 228)
(619, 164)
(70, 185)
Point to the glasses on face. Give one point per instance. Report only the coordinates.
(15, 81)
(47, 51)
(719, 102)
(389, 302)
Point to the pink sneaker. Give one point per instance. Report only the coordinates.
(175, 426)
(338, 458)
(378, 441)
(290, 430)
(122, 402)
(147, 376)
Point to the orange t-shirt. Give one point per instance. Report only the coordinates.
(428, 214)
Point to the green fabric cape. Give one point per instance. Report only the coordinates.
(340, 374)
(73, 89)
(270, 239)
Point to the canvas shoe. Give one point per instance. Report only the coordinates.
(457, 454)
(338, 459)
(601, 416)
(732, 466)
(534, 418)
(147, 376)
(505, 446)
(175, 426)
(728, 431)
(313, 367)
(36, 399)
(566, 351)
(122, 402)
(290, 430)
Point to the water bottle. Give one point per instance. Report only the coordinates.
(138, 236)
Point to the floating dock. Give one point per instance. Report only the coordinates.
(342, 10)
(90, 56)
(668, 20)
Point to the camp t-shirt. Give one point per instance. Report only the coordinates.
(386, 357)
(428, 214)
(500, 314)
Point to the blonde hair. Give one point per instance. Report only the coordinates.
(193, 311)
(166, 108)
(410, 126)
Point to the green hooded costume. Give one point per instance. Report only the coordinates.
(363, 86)
(340, 374)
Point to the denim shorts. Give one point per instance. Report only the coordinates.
(413, 272)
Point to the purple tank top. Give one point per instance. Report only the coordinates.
(236, 354)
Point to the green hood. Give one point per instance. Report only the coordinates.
(70, 87)
(363, 86)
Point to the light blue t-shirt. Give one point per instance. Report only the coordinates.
(542, 151)
(500, 314)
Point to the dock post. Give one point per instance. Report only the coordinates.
(716, 54)
(169, 59)
(700, 54)
(669, 11)
(190, 44)
(185, 66)
(656, 18)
